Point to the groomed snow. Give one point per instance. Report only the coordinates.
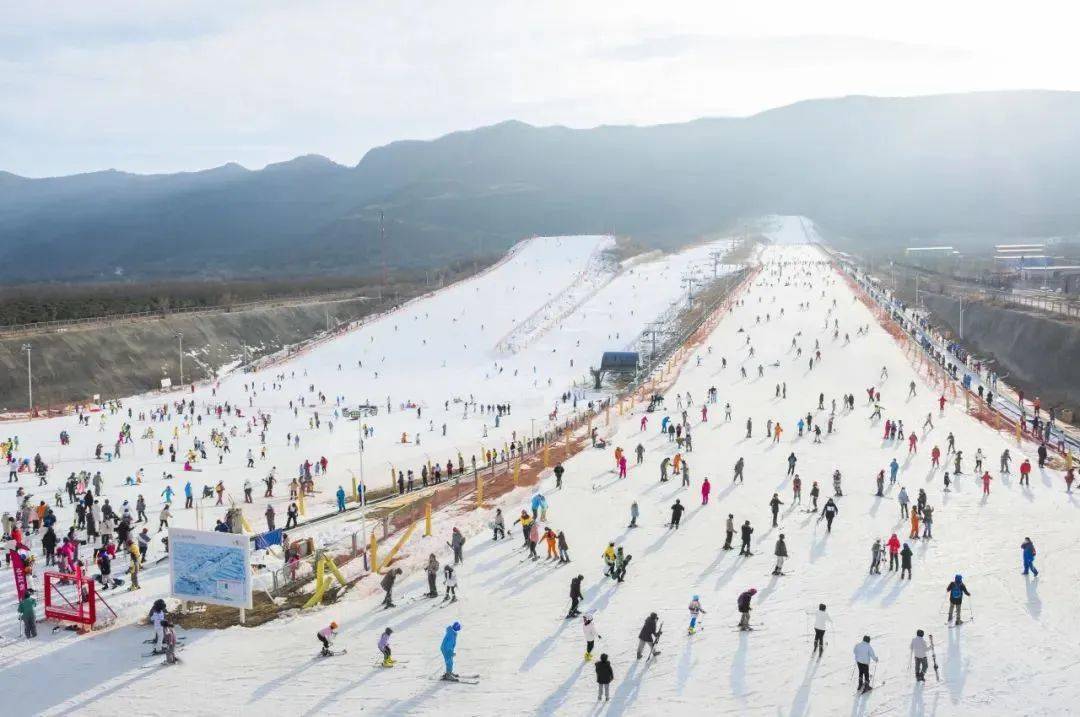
(1015, 657)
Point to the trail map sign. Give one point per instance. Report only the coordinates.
(210, 566)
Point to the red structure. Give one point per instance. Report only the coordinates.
(72, 598)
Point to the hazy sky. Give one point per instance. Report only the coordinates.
(154, 86)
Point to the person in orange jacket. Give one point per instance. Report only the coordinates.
(914, 525)
(776, 433)
(549, 538)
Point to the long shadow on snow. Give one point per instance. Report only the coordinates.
(627, 692)
(802, 696)
(554, 701)
(541, 649)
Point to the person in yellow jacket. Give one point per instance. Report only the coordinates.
(609, 560)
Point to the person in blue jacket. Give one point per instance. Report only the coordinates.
(1028, 549)
(957, 590)
(449, 645)
(340, 499)
(893, 468)
(539, 504)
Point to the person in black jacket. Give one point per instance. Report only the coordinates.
(387, 584)
(676, 514)
(575, 596)
(48, 545)
(905, 562)
(746, 532)
(648, 636)
(604, 677)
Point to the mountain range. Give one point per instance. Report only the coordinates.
(876, 171)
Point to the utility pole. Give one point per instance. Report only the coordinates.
(180, 336)
(716, 256)
(961, 316)
(382, 247)
(29, 379)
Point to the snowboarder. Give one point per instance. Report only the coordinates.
(863, 654)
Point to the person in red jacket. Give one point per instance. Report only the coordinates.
(986, 482)
(935, 457)
(705, 488)
(1025, 472)
(894, 552)
(912, 440)
(941, 403)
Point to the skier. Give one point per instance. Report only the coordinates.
(676, 514)
(588, 626)
(781, 554)
(956, 590)
(863, 654)
(902, 498)
(821, 619)
(743, 604)
(894, 467)
(448, 648)
(729, 531)
(325, 635)
(559, 470)
(746, 531)
(648, 635)
(791, 460)
(828, 513)
(432, 570)
(905, 561)
(384, 647)
(815, 491)
(918, 651)
(706, 487)
(27, 609)
(575, 596)
(775, 504)
(875, 557)
(450, 581)
(387, 584)
(168, 638)
(837, 491)
(1005, 460)
(1028, 551)
(986, 481)
(894, 552)
(498, 525)
(633, 515)
(604, 677)
(1025, 473)
(738, 470)
(695, 610)
(457, 544)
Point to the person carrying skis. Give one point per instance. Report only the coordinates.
(918, 651)
(1027, 549)
(325, 636)
(775, 504)
(676, 514)
(863, 654)
(956, 590)
(604, 677)
(384, 647)
(828, 513)
(781, 555)
(575, 596)
(746, 531)
(588, 627)
(695, 610)
(821, 619)
(387, 584)
(648, 635)
(743, 604)
(448, 647)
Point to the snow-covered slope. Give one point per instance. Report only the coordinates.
(1014, 657)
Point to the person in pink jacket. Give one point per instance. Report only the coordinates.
(622, 466)
(706, 487)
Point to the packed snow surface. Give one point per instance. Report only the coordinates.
(1014, 655)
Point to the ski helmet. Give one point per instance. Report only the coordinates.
(696, 598)
(333, 625)
(959, 578)
(821, 606)
(456, 627)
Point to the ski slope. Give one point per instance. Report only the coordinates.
(1014, 657)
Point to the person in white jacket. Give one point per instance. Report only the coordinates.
(821, 619)
(863, 654)
(918, 650)
(588, 626)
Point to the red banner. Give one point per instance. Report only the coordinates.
(20, 574)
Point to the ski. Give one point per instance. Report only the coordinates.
(332, 653)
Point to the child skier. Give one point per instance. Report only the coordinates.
(325, 635)
(695, 610)
(588, 627)
(384, 647)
